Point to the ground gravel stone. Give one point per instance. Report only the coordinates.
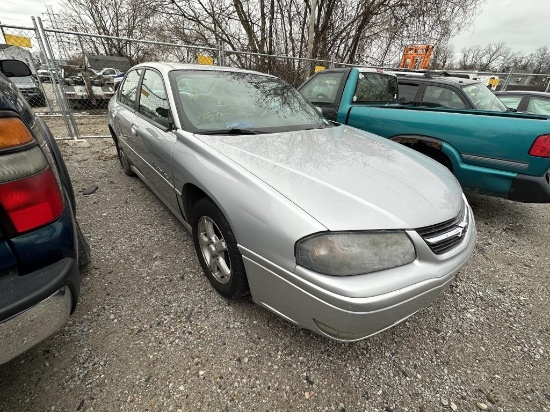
(151, 334)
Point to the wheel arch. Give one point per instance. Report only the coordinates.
(432, 147)
(190, 195)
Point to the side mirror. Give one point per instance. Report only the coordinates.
(163, 112)
(14, 68)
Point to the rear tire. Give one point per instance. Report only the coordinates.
(216, 248)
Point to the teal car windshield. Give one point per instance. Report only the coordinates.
(220, 101)
(483, 99)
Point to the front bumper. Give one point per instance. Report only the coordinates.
(530, 189)
(35, 305)
(351, 308)
(34, 97)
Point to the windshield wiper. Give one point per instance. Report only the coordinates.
(228, 131)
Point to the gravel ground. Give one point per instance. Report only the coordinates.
(150, 334)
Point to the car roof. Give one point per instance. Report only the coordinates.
(522, 93)
(166, 67)
(459, 81)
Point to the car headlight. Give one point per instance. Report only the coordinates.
(354, 253)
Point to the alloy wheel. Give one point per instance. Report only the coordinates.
(214, 250)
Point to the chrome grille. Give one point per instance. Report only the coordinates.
(444, 236)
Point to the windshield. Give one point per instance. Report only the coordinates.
(23, 81)
(220, 101)
(483, 99)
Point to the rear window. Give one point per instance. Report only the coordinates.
(375, 87)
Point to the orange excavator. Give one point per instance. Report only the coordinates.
(416, 56)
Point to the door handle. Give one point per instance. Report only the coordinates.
(134, 129)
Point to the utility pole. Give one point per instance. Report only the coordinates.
(311, 34)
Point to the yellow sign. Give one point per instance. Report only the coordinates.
(202, 59)
(20, 41)
(494, 82)
(319, 68)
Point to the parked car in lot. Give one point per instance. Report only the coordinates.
(526, 101)
(41, 245)
(45, 76)
(330, 227)
(108, 72)
(30, 90)
(444, 91)
(490, 149)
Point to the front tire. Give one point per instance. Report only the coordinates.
(216, 248)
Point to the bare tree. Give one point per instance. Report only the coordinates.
(443, 56)
(120, 18)
(363, 32)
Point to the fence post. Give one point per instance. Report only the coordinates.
(507, 81)
(221, 53)
(55, 79)
(332, 62)
(58, 87)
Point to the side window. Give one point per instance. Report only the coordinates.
(153, 102)
(407, 92)
(128, 91)
(375, 87)
(323, 88)
(435, 96)
(511, 101)
(539, 105)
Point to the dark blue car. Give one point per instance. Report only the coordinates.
(41, 245)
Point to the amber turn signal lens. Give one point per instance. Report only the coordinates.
(13, 133)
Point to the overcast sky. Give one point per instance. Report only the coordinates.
(523, 25)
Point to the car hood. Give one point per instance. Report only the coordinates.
(347, 179)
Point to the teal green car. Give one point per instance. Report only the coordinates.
(497, 153)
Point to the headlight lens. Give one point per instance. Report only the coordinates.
(354, 253)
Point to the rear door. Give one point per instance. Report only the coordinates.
(154, 138)
(125, 115)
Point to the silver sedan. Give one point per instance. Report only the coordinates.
(332, 228)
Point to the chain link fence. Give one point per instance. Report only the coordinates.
(75, 74)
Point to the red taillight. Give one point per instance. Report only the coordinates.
(33, 201)
(541, 146)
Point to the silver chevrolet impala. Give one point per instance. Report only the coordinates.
(332, 228)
